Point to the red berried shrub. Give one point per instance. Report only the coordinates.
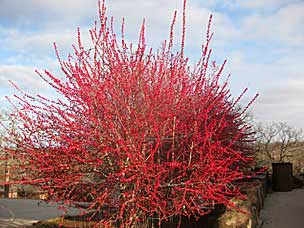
(139, 133)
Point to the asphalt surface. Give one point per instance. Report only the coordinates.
(21, 212)
(281, 210)
(284, 210)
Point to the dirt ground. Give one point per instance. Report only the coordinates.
(284, 209)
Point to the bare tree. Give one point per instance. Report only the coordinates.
(277, 142)
(8, 123)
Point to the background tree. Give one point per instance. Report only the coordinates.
(141, 132)
(7, 127)
(278, 142)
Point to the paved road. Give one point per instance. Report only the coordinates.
(21, 212)
(284, 210)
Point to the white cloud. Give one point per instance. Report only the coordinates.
(259, 75)
(59, 19)
(39, 12)
(282, 103)
(286, 25)
(247, 4)
(24, 76)
(253, 4)
(197, 21)
(60, 24)
(41, 43)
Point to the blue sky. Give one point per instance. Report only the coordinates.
(263, 41)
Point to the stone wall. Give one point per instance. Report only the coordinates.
(247, 214)
(244, 214)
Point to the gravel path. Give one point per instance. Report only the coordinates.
(284, 210)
